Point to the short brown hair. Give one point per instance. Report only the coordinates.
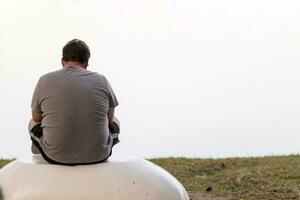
(76, 50)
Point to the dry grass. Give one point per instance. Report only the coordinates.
(268, 178)
(4, 162)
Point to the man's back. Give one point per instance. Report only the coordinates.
(74, 103)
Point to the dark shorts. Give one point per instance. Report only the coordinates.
(37, 133)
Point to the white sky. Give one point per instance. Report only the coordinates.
(194, 78)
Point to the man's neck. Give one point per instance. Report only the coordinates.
(72, 63)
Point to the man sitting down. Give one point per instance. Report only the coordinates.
(73, 112)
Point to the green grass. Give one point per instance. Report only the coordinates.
(267, 178)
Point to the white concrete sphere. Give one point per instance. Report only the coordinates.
(131, 178)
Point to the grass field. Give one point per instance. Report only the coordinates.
(3, 162)
(267, 178)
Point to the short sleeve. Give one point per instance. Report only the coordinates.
(35, 102)
(113, 102)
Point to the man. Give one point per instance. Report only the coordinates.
(73, 112)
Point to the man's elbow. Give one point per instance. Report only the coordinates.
(110, 114)
(36, 117)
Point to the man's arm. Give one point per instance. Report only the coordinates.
(113, 125)
(35, 104)
(113, 102)
(110, 114)
(36, 117)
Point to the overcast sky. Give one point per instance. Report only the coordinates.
(194, 78)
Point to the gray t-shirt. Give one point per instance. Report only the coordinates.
(74, 103)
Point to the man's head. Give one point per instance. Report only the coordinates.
(76, 52)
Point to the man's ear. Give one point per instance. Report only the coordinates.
(62, 62)
(86, 64)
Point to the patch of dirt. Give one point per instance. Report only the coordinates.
(203, 196)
